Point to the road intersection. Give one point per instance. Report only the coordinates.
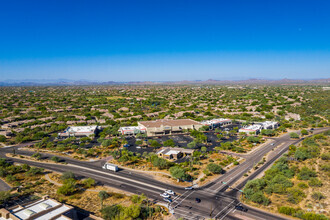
(218, 198)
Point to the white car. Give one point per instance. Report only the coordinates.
(138, 147)
(170, 192)
(165, 195)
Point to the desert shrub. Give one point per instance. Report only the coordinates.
(295, 195)
(302, 185)
(89, 182)
(260, 198)
(318, 196)
(34, 171)
(306, 174)
(325, 156)
(315, 182)
(67, 175)
(287, 210)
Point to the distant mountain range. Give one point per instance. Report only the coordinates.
(67, 82)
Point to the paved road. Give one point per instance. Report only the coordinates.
(4, 186)
(216, 202)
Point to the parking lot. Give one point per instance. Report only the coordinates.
(180, 140)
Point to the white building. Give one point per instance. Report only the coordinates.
(42, 209)
(269, 125)
(218, 122)
(251, 129)
(256, 128)
(132, 130)
(79, 131)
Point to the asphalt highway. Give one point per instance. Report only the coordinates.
(217, 201)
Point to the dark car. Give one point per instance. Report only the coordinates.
(241, 208)
(198, 200)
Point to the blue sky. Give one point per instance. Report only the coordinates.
(162, 40)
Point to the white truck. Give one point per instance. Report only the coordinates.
(109, 166)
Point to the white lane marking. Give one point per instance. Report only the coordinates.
(119, 177)
(135, 186)
(185, 197)
(179, 196)
(177, 211)
(223, 209)
(227, 213)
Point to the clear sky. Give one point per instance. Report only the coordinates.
(162, 40)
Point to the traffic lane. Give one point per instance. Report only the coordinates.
(101, 177)
(257, 214)
(209, 205)
(122, 172)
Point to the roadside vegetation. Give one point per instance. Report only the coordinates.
(298, 183)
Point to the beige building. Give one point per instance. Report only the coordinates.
(174, 153)
(166, 126)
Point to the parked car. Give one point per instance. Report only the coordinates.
(138, 147)
(126, 145)
(165, 195)
(167, 200)
(198, 200)
(189, 188)
(170, 192)
(241, 208)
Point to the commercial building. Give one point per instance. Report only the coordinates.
(79, 131)
(256, 128)
(171, 153)
(251, 129)
(269, 125)
(218, 122)
(132, 130)
(166, 126)
(42, 209)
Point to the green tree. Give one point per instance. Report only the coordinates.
(294, 135)
(304, 132)
(111, 212)
(158, 162)
(214, 168)
(178, 173)
(68, 188)
(169, 143)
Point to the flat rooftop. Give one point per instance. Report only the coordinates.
(81, 129)
(33, 210)
(169, 123)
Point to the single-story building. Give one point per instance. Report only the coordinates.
(44, 208)
(251, 129)
(79, 131)
(256, 128)
(167, 126)
(269, 125)
(218, 122)
(174, 153)
(132, 130)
